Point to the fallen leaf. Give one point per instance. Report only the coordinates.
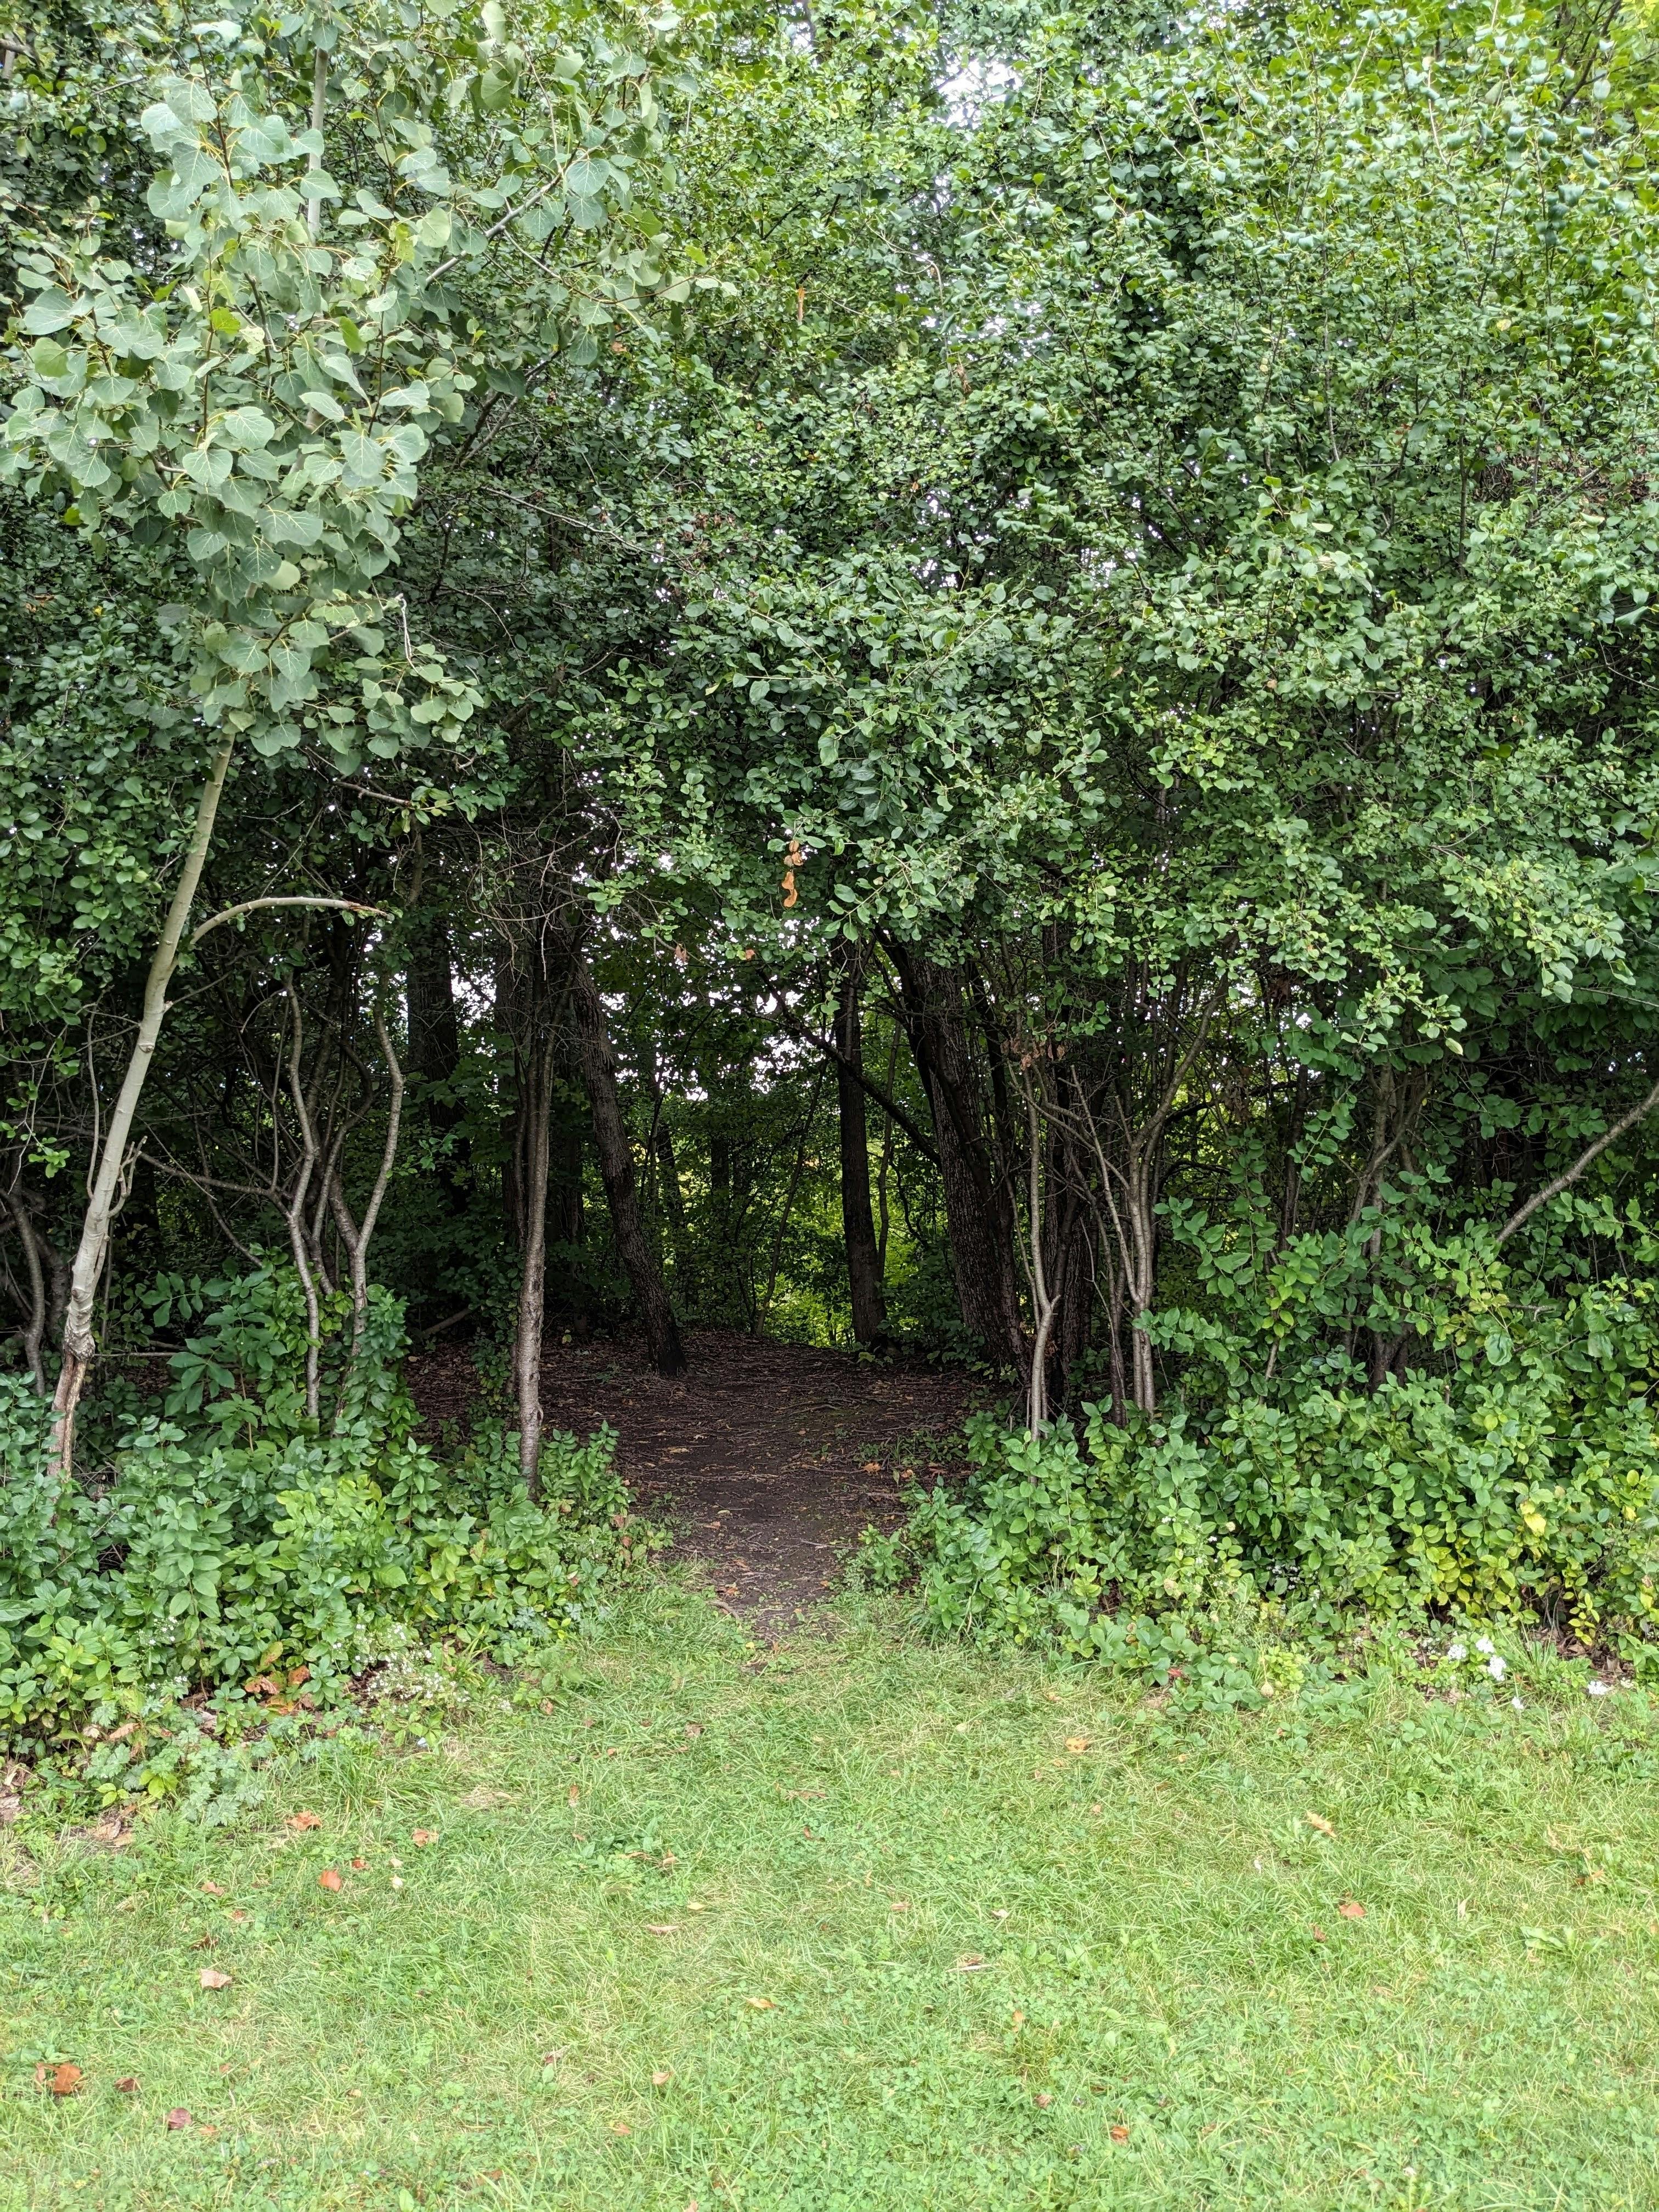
(298, 1674)
(262, 1686)
(1323, 1827)
(552, 2057)
(239, 1916)
(426, 1835)
(178, 2118)
(621, 2128)
(1119, 2134)
(969, 1964)
(693, 1728)
(1077, 1743)
(1096, 1811)
(1350, 1911)
(660, 2078)
(305, 1820)
(212, 1889)
(128, 2082)
(760, 2004)
(661, 1928)
(1319, 1935)
(871, 1466)
(1017, 2021)
(64, 2079)
(573, 1796)
(328, 1878)
(213, 1979)
(1045, 2098)
(357, 1865)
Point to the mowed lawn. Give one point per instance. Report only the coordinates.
(865, 1923)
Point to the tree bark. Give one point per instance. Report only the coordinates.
(80, 1343)
(978, 1204)
(858, 1224)
(536, 1110)
(616, 1158)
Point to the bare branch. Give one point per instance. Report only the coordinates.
(1592, 1152)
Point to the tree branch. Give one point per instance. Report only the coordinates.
(1637, 1113)
(250, 906)
(871, 1088)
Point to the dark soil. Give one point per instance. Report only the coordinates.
(767, 1460)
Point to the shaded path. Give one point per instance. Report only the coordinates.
(766, 1459)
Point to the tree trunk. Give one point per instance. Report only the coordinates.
(978, 1204)
(615, 1157)
(857, 1220)
(434, 1049)
(79, 1345)
(536, 1111)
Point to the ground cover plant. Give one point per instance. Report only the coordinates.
(867, 1921)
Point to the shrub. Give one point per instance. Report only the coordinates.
(232, 1541)
(1518, 1478)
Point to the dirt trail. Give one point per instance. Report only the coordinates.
(766, 1459)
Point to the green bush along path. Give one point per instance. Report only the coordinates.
(861, 1922)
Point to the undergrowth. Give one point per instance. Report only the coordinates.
(237, 1565)
(1238, 1545)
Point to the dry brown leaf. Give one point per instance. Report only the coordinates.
(328, 1878)
(1045, 2098)
(760, 2004)
(661, 2078)
(1323, 1827)
(262, 1686)
(662, 1928)
(426, 1836)
(871, 1466)
(305, 1820)
(1319, 1935)
(64, 2079)
(621, 2128)
(969, 1963)
(358, 1865)
(212, 1889)
(693, 1728)
(1119, 2134)
(1077, 1743)
(128, 2082)
(212, 1978)
(180, 2118)
(1350, 1911)
(1096, 1811)
(572, 1795)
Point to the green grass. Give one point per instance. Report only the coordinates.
(859, 1822)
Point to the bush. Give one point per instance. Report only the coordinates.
(234, 1545)
(1517, 1478)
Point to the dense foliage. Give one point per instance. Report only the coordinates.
(965, 678)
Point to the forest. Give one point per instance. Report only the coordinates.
(966, 682)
